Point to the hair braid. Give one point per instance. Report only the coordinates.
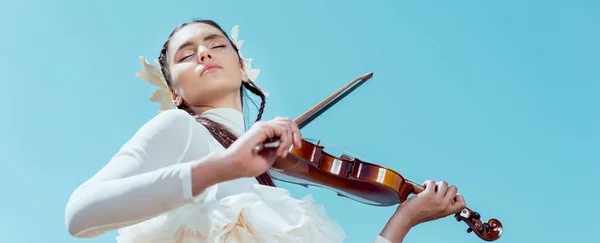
(265, 178)
(251, 86)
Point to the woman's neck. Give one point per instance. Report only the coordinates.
(231, 101)
(201, 109)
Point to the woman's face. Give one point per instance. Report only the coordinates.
(203, 65)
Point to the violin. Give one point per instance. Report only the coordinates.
(322, 165)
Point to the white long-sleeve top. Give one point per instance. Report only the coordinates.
(145, 192)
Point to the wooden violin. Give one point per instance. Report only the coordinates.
(322, 165)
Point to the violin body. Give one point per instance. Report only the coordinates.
(346, 175)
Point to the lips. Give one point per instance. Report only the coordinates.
(209, 68)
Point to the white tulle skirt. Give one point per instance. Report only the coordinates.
(266, 214)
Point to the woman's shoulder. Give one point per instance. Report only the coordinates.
(173, 127)
(171, 121)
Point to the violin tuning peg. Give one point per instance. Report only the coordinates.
(485, 227)
(469, 230)
(476, 215)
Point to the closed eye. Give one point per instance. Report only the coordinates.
(185, 57)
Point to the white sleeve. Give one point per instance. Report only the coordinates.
(145, 178)
(380, 239)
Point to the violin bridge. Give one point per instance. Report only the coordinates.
(349, 168)
(349, 164)
(348, 157)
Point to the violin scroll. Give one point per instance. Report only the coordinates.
(489, 231)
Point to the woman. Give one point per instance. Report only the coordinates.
(185, 176)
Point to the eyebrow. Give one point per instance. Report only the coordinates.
(207, 38)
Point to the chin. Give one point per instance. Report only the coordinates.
(217, 87)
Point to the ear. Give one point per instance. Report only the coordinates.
(244, 75)
(176, 98)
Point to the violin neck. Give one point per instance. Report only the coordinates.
(418, 188)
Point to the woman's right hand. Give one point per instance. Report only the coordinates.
(252, 164)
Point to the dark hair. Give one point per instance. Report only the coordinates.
(220, 132)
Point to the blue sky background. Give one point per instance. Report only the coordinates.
(497, 97)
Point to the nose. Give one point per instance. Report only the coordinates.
(203, 54)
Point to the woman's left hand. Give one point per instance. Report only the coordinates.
(438, 200)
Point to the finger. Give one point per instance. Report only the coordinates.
(285, 122)
(429, 186)
(290, 137)
(459, 204)
(270, 130)
(297, 134)
(285, 140)
(450, 194)
(288, 127)
(280, 118)
(442, 187)
(267, 132)
(297, 140)
(292, 126)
